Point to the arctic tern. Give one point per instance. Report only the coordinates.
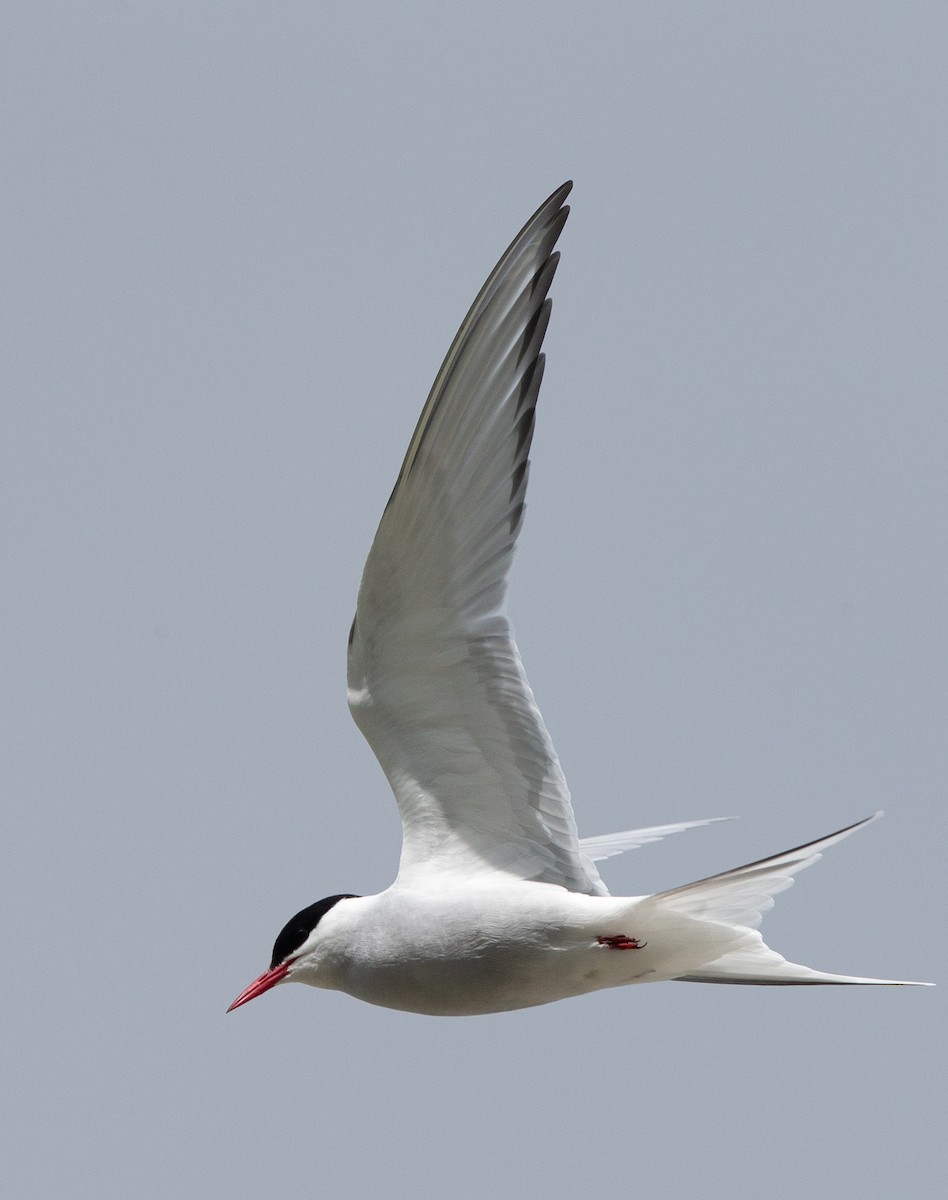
(498, 904)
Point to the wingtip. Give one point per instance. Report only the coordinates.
(556, 199)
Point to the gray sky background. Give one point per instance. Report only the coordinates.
(238, 241)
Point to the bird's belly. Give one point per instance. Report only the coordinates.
(495, 978)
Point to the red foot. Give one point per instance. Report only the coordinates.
(621, 941)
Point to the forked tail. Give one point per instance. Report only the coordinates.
(738, 899)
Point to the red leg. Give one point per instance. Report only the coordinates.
(621, 941)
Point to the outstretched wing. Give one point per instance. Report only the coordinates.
(435, 679)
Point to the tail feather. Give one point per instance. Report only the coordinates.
(756, 963)
(743, 895)
(738, 899)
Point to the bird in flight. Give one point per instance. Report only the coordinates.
(498, 903)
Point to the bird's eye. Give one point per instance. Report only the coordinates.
(295, 932)
(290, 938)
